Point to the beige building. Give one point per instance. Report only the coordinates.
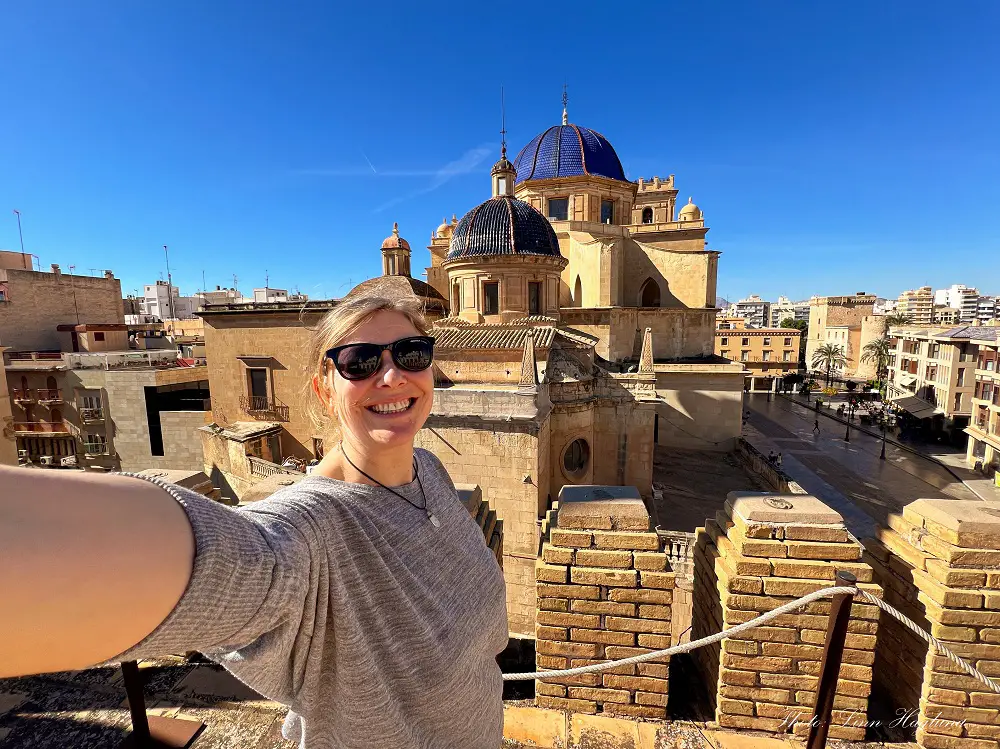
(33, 304)
(848, 322)
(932, 373)
(98, 405)
(768, 354)
(565, 347)
(946, 316)
(918, 305)
(984, 426)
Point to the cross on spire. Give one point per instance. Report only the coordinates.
(503, 127)
(565, 100)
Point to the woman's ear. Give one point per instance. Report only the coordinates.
(324, 392)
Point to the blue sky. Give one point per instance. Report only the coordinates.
(834, 147)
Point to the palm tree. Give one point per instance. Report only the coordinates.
(896, 319)
(830, 356)
(877, 352)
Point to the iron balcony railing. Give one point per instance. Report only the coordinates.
(89, 415)
(49, 395)
(262, 407)
(23, 395)
(30, 428)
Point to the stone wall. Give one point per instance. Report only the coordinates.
(604, 593)
(677, 333)
(38, 302)
(939, 563)
(760, 552)
(684, 277)
(701, 407)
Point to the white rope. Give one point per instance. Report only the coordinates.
(687, 646)
(757, 622)
(938, 645)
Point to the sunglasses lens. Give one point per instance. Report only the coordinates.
(358, 362)
(413, 354)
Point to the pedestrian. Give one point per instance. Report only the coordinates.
(770, 456)
(816, 427)
(363, 597)
(777, 460)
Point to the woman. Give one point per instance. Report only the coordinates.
(364, 597)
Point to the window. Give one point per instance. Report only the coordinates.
(788, 341)
(746, 341)
(98, 336)
(456, 299)
(576, 458)
(558, 209)
(958, 401)
(534, 297)
(724, 342)
(744, 356)
(767, 356)
(960, 381)
(649, 296)
(764, 369)
(491, 298)
(578, 293)
(647, 215)
(501, 185)
(724, 353)
(607, 211)
(767, 341)
(787, 356)
(95, 444)
(258, 385)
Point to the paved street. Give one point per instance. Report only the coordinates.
(847, 475)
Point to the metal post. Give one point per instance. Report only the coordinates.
(833, 654)
(847, 436)
(136, 703)
(884, 419)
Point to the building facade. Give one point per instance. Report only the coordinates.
(785, 308)
(984, 426)
(756, 311)
(163, 301)
(34, 304)
(917, 305)
(932, 373)
(846, 321)
(986, 310)
(962, 298)
(768, 354)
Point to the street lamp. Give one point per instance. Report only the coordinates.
(885, 419)
(850, 410)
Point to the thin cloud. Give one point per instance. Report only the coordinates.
(466, 163)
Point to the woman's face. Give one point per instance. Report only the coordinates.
(356, 403)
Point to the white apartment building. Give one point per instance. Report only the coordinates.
(756, 311)
(163, 301)
(961, 297)
(918, 305)
(785, 308)
(986, 309)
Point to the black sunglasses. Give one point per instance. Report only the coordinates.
(359, 361)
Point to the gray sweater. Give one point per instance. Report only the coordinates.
(345, 603)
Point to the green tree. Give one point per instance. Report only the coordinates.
(878, 352)
(829, 356)
(896, 319)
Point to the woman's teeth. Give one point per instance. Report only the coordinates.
(391, 408)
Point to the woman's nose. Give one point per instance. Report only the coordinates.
(390, 374)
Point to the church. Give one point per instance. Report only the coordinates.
(574, 314)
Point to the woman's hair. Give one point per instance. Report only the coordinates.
(347, 317)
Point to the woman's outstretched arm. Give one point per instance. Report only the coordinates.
(89, 565)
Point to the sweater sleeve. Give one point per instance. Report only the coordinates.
(257, 592)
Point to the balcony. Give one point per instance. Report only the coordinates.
(49, 395)
(264, 469)
(91, 415)
(263, 408)
(43, 429)
(20, 395)
(95, 449)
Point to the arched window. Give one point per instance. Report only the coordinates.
(578, 293)
(50, 383)
(649, 295)
(24, 382)
(576, 459)
(647, 215)
(456, 299)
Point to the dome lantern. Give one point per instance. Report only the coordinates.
(690, 212)
(395, 254)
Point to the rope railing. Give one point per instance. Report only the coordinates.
(759, 621)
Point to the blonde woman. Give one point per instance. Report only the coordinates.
(364, 597)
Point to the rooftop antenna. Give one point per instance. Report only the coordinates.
(565, 100)
(203, 289)
(503, 127)
(93, 271)
(73, 287)
(170, 296)
(19, 234)
(267, 278)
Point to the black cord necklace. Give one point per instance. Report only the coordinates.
(416, 472)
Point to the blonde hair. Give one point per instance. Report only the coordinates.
(340, 322)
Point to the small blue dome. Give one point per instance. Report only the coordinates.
(503, 226)
(568, 151)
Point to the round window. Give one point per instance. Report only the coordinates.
(577, 457)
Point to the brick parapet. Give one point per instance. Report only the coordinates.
(605, 592)
(767, 678)
(939, 563)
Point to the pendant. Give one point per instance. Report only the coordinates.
(434, 521)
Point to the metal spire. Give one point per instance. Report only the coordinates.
(565, 99)
(503, 127)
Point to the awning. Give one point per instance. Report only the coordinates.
(914, 406)
(907, 379)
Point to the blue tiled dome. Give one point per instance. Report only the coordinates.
(568, 151)
(503, 226)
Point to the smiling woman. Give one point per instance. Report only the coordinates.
(364, 597)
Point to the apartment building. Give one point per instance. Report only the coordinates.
(986, 310)
(98, 405)
(962, 298)
(984, 426)
(163, 301)
(785, 308)
(756, 311)
(918, 305)
(932, 373)
(768, 354)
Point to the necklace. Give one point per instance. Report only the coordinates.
(416, 472)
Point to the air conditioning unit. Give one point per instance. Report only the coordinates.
(47, 460)
(22, 456)
(68, 462)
